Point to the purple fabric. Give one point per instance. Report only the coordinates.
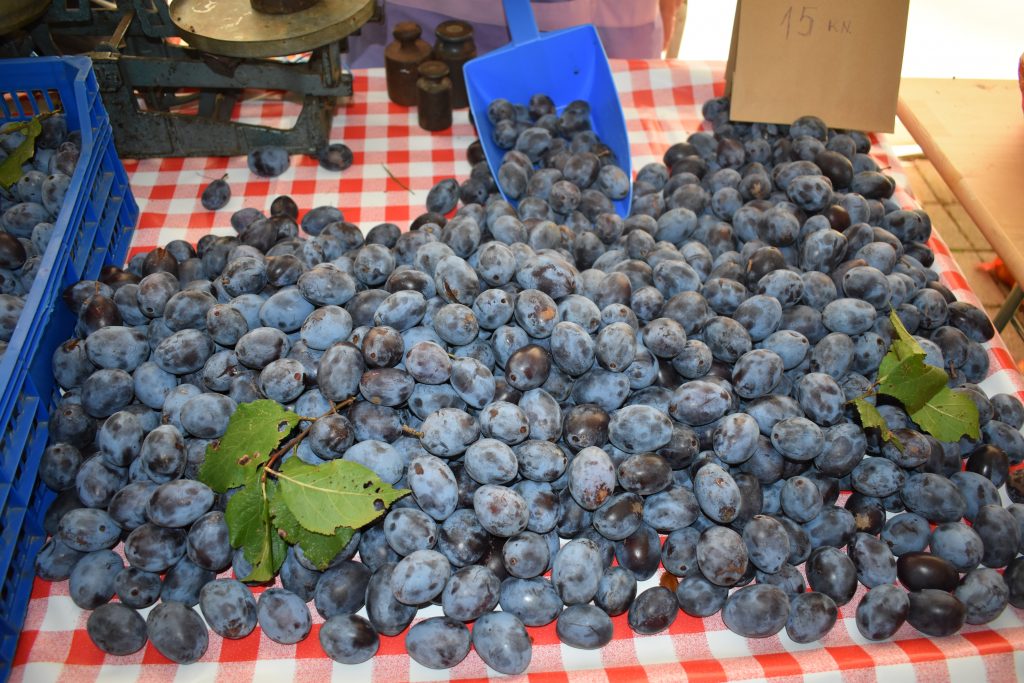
(629, 29)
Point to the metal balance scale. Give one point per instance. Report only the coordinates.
(166, 99)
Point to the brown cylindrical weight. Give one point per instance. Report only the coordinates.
(401, 61)
(455, 47)
(434, 96)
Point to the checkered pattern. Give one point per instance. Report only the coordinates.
(662, 104)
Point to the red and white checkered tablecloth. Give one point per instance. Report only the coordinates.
(662, 102)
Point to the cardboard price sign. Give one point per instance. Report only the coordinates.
(837, 59)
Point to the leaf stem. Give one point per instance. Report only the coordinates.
(869, 392)
(340, 406)
(291, 443)
(406, 429)
(42, 116)
(297, 439)
(400, 183)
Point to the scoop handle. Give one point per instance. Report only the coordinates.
(522, 27)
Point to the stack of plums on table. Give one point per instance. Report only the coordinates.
(577, 400)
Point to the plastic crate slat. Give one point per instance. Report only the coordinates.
(18, 604)
(23, 426)
(105, 231)
(13, 520)
(16, 439)
(28, 467)
(91, 232)
(39, 371)
(48, 100)
(40, 503)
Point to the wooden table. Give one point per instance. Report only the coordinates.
(973, 132)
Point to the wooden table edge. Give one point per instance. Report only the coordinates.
(1001, 243)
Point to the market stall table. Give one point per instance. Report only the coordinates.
(395, 165)
(973, 132)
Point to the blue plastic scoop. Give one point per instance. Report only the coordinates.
(566, 65)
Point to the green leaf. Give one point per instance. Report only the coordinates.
(253, 433)
(319, 549)
(249, 528)
(904, 336)
(948, 415)
(339, 493)
(889, 361)
(904, 346)
(10, 169)
(923, 391)
(912, 382)
(870, 417)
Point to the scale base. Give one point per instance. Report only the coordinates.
(166, 100)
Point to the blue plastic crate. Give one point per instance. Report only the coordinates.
(94, 229)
